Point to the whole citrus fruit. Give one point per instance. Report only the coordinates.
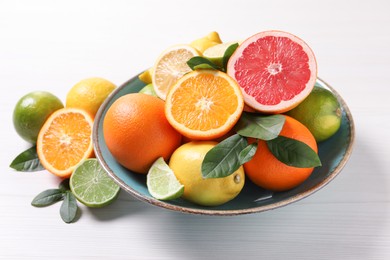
(266, 171)
(137, 133)
(320, 112)
(186, 163)
(275, 70)
(31, 112)
(89, 94)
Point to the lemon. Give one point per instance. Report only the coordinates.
(146, 76)
(206, 42)
(186, 163)
(170, 66)
(320, 112)
(89, 94)
(31, 112)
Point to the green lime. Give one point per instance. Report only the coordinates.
(162, 183)
(215, 53)
(91, 185)
(149, 90)
(31, 112)
(320, 112)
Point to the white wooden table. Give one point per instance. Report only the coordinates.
(51, 45)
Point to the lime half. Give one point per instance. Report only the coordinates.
(162, 183)
(91, 185)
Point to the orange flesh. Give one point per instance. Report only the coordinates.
(200, 106)
(66, 140)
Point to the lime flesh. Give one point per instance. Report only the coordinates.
(320, 112)
(162, 183)
(92, 186)
(149, 90)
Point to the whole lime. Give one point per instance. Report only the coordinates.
(320, 112)
(31, 112)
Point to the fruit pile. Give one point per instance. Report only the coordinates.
(212, 114)
(62, 143)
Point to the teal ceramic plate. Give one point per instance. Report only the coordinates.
(334, 154)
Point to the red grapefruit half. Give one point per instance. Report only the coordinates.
(275, 70)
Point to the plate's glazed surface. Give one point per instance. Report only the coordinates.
(334, 153)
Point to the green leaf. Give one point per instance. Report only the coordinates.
(199, 62)
(47, 197)
(64, 185)
(228, 53)
(264, 127)
(27, 161)
(247, 154)
(223, 159)
(293, 152)
(68, 210)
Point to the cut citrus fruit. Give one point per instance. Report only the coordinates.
(275, 70)
(146, 76)
(148, 90)
(207, 41)
(204, 104)
(215, 53)
(91, 185)
(65, 140)
(170, 66)
(162, 183)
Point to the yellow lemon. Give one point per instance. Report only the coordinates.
(89, 94)
(146, 76)
(206, 42)
(170, 66)
(186, 164)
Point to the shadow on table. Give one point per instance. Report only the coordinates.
(346, 218)
(349, 219)
(124, 206)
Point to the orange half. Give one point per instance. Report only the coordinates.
(204, 104)
(65, 140)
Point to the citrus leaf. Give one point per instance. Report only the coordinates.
(199, 62)
(64, 185)
(223, 159)
(293, 152)
(68, 208)
(27, 161)
(247, 154)
(47, 197)
(228, 53)
(260, 126)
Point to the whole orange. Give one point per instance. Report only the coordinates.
(266, 171)
(137, 132)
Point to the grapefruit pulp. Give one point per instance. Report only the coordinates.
(275, 71)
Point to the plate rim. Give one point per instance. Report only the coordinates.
(184, 209)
